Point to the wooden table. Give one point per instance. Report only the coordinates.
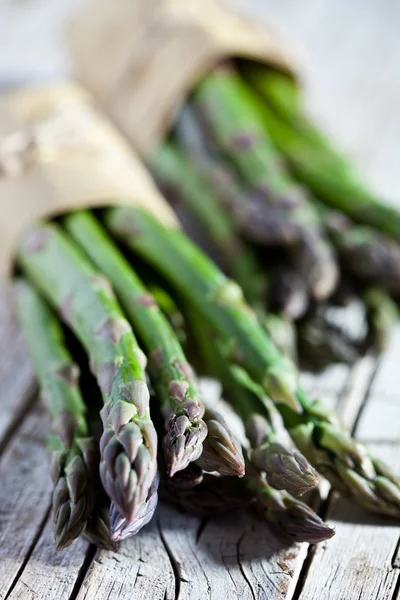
(351, 54)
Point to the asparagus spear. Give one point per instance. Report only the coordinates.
(222, 451)
(328, 174)
(365, 253)
(316, 431)
(202, 283)
(85, 300)
(73, 451)
(169, 369)
(232, 114)
(122, 528)
(382, 316)
(258, 221)
(272, 451)
(175, 172)
(288, 515)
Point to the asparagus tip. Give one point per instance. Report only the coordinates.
(122, 528)
(183, 442)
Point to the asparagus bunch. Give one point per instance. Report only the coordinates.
(73, 452)
(199, 280)
(316, 431)
(171, 373)
(231, 115)
(169, 163)
(311, 156)
(220, 185)
(87, 304)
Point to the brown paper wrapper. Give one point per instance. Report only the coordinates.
(57, 153)
(140, 58)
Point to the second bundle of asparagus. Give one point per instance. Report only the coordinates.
(267, 190)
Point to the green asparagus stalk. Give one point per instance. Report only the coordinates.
(316, 431)
(73, 451)
(177, 174)
(382, 316)
(86, 302)
(232, 114)
(328, 174)
(168, 367)
(222, 451)
(202, 283)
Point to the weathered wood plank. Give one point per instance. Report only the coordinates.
(259, 564)
(141, 569)
(17, 383)
(203, 566)
(357, 562)
(24, 496)
(386, 382)
(50, 575)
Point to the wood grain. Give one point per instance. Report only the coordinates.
(141, 569)
(359, 562)
(50, 574)
(24, 496)
(17, 382)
